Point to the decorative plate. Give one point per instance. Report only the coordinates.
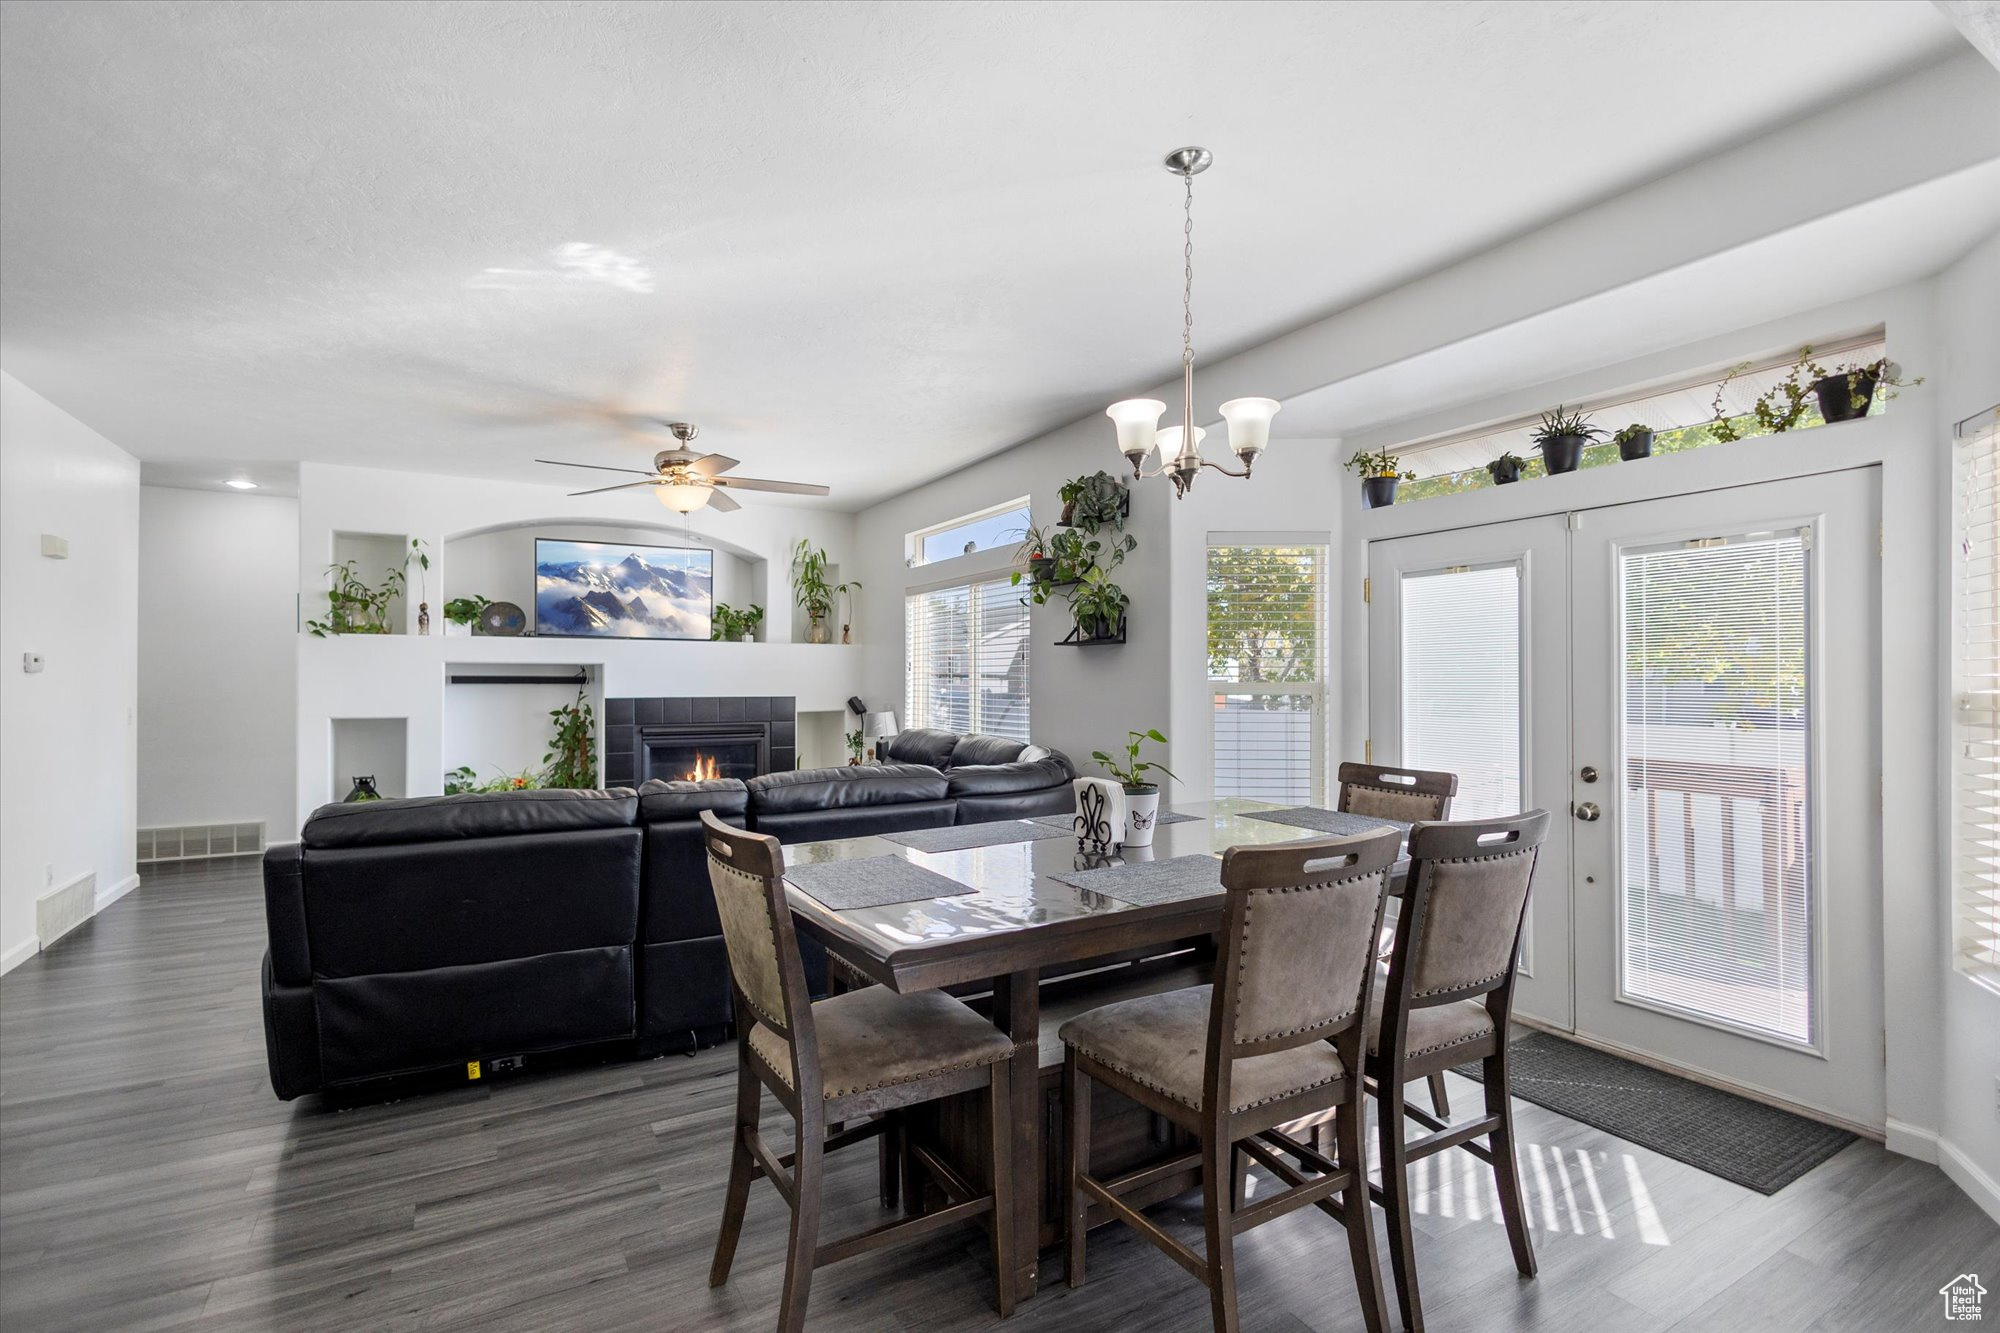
(502, 618)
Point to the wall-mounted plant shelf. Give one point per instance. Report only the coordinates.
(1075, 637)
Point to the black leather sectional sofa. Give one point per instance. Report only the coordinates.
(423, 934)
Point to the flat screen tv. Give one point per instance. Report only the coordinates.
(615, 590)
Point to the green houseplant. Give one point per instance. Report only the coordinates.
(814, 593)
(355, 606)
(1142, 794)
(730, 625)
(1379, 472)
(1094, 501)
(1562, 437)
(1846, 392)
(1506, 469)
(465, 611)
(854, 742)
(1097, 605)
(572, 757)
(1634, 441)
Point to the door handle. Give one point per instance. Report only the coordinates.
(1588, 812)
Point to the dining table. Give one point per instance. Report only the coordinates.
(1019, 921)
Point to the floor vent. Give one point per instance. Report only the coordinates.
(59, 911)
(195, 842)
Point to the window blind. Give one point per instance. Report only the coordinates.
(1976, 697)
(1266, 653)
(1717, 902)
(967, 659)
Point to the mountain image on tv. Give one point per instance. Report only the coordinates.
(619, 591)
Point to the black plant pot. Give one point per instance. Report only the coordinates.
(1042, 569)
(1378, 492)
(1638, 446)
(1504, 471)
(1561, 453)
(1836, 394)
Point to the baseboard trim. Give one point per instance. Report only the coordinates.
(19, 954)
(1968, 1176)
(1910, 1140)
(106, 897)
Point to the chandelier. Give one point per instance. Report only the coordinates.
(1138, 419)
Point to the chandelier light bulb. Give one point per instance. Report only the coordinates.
(681, 497)
(1249, 424)
(1138, 421)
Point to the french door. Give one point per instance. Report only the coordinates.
(1697, 704)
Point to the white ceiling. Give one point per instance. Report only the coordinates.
(859, 244)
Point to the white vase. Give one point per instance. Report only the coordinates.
(1142, 812)
(454, 630)
(1100, 813)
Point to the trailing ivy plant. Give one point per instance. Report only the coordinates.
(355, 606)
(572, 756)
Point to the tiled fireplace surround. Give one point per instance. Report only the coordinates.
(625, 721)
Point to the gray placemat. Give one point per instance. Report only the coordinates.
(1325, 821)
(1147, 883)
(961, 837)
(1067, 823)
(871, 881)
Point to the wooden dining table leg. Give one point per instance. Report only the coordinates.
(1017, 1011)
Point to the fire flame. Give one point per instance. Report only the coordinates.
(705, 768)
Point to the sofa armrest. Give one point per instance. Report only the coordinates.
(285, 914)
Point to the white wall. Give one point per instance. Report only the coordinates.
(1968, 296)
(217, 605)
(68, 764)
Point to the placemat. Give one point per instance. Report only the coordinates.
(872, 881)
(1147, 883)
(1326, 821)
(1067, 823)
(961, 837)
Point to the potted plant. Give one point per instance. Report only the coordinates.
(1142, 795)
(1098, 607)
(572, 757)
(1634, 441)
(1506, 469)
(811, 590)
(461, 615)
(729, 625)
(1034, 552)
(853, 749)
(1379, 473)
(1562, 437)
(353, 605)
(1846, 391)
(1092, 502)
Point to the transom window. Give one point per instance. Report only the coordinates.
(1002, 525)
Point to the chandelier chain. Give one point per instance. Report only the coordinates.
(1187, 280)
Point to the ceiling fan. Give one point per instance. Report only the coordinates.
(685, 479)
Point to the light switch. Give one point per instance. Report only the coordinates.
(54, 547)
(31, 662)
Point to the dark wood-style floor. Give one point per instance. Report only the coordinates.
(149, 1179)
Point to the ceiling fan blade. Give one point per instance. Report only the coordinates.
(781, 487)
(721, 503)
(637, 472)
(621, 486)
(714, 465)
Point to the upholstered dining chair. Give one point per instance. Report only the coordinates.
(1446, 1000)
(1279, 1037)
(1405, 795)
(845, 1058)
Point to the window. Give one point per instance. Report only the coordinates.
(1462, 682)
(1976, 697)
(1716, 914)
(1002, 525)
(1266, 658)
(968, 659)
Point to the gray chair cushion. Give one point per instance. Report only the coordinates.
(874, 1038)
(1431, 1030)
(1161, 1042)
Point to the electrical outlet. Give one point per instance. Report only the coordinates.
(504, 1064)
(31, 662)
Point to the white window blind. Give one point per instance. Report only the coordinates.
(1717, 903)
(968, 659)
(1976, 696)
(1266, 655)
(1462, 682)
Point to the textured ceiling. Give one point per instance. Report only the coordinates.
(860, 244)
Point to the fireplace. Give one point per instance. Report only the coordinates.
(730, 737)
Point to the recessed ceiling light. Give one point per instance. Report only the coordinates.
(240, 484)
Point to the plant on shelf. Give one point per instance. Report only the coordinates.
(1379, 472)
(853, 749)
(811, 589)
(1094, 501)
(1073, 553)
(465, 610)
(422, 556)
(733, 626)
(1098, 607)
(463, 781)
(1841, 394)
(1634, 441)
(1506, 469)
(1846, 392)
(1034, 556)
(572, 756)
(354, 606)
(1562, 437)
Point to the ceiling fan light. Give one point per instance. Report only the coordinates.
(1249, 424)
(1137, 419)
(682, 497)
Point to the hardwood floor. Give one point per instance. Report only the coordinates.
(149, 1179)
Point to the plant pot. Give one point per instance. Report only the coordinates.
(1638, 446)
(1068, 513)
(816, 631)
(1042, 569)
(454, 629)
(1142, 813)
(1378, 492)
(1561, 453)
(1504, 471)
(1836, 394)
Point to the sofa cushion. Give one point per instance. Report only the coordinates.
(475, 815)
(844, 788)
(921, 745)
(995, 779)
(660, 801)
(977, 749)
